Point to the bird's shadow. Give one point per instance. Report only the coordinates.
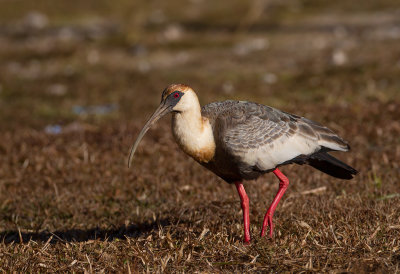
(83, 235)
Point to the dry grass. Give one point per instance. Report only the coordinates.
(69, 203)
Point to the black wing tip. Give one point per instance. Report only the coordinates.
(332, 166)
(347, 176)
(354, 171)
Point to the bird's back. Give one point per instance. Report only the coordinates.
(253, 139)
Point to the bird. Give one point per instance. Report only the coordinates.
(241, 140)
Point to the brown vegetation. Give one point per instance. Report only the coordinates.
(77, 82)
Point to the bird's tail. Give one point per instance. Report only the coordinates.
(330, 165)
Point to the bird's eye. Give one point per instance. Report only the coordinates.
(176, 94)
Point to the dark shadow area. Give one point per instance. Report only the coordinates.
(83, 235)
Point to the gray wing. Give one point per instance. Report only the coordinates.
(261, 136)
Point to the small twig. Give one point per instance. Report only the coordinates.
(58, 237)
(374, 234)
(334, 235)
(90, 264)
(314, 191)
(20, 236)
(46, 245)
(254, 259)
(203, 233)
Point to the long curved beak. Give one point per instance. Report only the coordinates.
(162, 110)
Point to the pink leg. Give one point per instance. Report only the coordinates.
(283, 185)
(245, 208)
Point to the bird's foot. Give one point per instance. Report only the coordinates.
(268, 222)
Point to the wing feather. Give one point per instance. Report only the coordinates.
(262, 137)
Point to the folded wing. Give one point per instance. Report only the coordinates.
(263, 138)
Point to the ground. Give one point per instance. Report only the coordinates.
(78, 81)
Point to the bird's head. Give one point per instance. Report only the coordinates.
(179, 97)
(175, 98)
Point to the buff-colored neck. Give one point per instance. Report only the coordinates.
(194, 134)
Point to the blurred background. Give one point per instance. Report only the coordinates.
(61, 60)
(78, 79)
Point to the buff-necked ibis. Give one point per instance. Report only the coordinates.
(239, 140)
